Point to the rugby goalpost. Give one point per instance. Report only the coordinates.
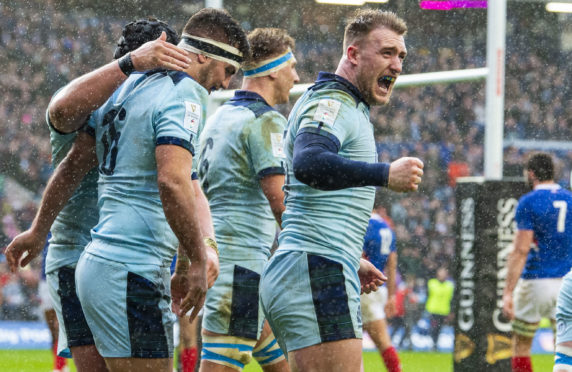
(404, 81)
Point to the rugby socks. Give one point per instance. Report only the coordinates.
(521, 364)
(59, 362)
(391, 360)
(189, 358)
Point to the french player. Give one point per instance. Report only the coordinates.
(542, 255)
(242, 174)
(69, 210)
(379, 249)
(310, 289)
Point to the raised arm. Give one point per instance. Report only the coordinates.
(71, 106)
(60, 188)
(317, 163)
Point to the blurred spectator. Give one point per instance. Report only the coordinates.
(407, 311)
(438, 305)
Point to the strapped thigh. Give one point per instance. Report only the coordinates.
(563, 358)
(268, 352)
(231, 351)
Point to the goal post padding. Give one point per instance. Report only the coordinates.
(484, 236)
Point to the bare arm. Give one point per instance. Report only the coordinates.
(203, 211)
(272, 188)
(391, 273)
(71, 106)
(391, 270)
(61, 186)
(178, 199)
(207, 231)
(515, 264)
(180, 280)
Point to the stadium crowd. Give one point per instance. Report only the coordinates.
(441, 124)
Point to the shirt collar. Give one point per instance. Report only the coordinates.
(547, 186)
(345, 85)
(240, 95)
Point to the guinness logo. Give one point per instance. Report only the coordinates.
(498, 347)
(464, 347)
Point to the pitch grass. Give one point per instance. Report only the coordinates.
(40, 361)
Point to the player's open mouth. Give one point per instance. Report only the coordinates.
(385, 82)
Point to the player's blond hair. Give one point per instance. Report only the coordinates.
(267, 42)
(366, 20)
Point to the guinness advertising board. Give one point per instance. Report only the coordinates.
(485, 231)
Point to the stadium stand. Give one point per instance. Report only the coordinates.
(441, 124)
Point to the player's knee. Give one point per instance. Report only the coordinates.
(230, 351)
(268, 352)
(563, 358)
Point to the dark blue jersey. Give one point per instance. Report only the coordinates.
(379, 241)
(547, 211)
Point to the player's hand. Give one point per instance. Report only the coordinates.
(390, 307)
(195, 297)
(508, 306)
(405, 174)
(179, 289)
(370, 277)
(160, 54)
(27, 242)
(213, 266)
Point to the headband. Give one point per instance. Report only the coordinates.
(268, 66)
(211, 48)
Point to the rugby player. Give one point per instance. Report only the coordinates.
(310, 289)
(242, 174)
(542, 255)
(379, 249)
(70, 211)
(144, 139)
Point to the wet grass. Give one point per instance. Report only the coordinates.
(40, 361)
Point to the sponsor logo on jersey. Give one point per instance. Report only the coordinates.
(193, 113)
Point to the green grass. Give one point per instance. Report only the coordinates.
(40, 360)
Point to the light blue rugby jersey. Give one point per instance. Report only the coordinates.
(241, 143)
(71, 228)
(329, 223)
(547, 211)
(147, 110)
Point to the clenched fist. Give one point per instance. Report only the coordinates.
(405, 174)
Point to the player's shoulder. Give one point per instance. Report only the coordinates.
(186, 87)
(565, 193)
(378, 221)
(171, 86)
(330, 86)
(331, 99)
(252, 103)
(271, 118)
